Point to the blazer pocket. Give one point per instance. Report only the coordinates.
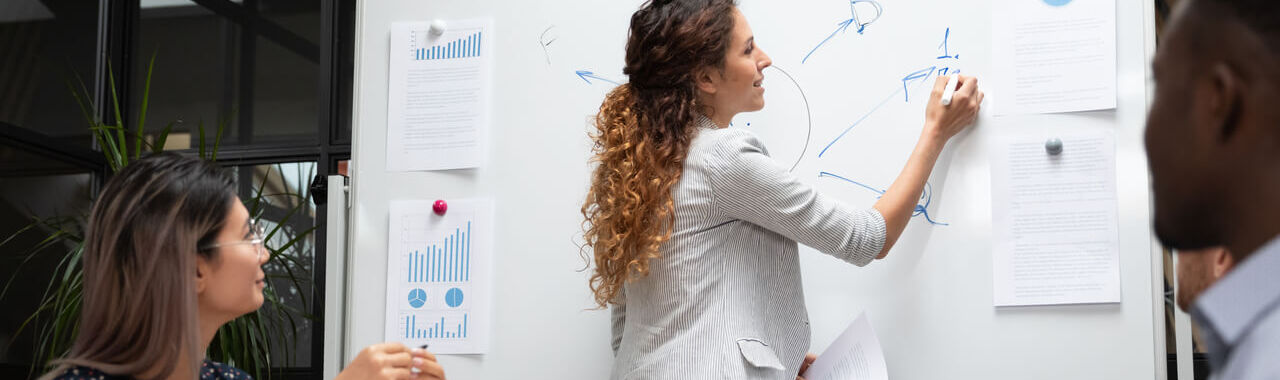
(759, 354)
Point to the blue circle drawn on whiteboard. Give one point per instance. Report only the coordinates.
(417, 298)
(1057, 3)
(453, 297)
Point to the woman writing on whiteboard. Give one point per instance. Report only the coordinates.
(693, 227)
(170, 255)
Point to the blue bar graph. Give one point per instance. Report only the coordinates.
(437, 330)
(447, 261)
(465, 47)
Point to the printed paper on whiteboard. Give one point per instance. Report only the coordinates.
(438, 275)
(439, 91)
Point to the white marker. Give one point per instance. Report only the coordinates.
(950, 90)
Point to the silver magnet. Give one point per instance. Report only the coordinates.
(1053, 146)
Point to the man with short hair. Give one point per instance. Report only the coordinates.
(1213, 144)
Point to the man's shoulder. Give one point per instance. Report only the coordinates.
(1255, 356)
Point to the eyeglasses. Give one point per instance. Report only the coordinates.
(256, 237)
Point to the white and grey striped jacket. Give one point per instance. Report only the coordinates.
(724, 301)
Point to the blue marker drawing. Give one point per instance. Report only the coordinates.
(864, 117)
(922, 75)
(918, 76)
(922, 209)
(946, 52)
(584, 74)
(1057, 3)
(844, 25)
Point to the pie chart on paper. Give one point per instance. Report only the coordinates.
(453, 297)
(417, 298)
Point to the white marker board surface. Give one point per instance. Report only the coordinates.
(931, 300)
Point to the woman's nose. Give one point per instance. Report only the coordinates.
(264, 254)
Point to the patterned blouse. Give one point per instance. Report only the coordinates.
(209, 370)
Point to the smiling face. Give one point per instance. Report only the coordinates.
(736, 87)
(230, 283)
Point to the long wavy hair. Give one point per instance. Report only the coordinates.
(643, 132)
(139, 312)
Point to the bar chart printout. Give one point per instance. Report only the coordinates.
(438, 275)
(438, 95)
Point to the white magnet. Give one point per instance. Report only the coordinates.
(436, 29)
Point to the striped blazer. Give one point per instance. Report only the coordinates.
(724, 301)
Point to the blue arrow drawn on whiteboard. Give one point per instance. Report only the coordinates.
(844, 25)
(921, 209)
(584, 74)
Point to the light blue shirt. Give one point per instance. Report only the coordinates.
(1240, 316)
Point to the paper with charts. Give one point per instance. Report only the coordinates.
(855, 355)
(438, 275)
(439, 88)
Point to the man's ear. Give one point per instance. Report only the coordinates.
(1222, 262)
(705, 80)
(1223, 96)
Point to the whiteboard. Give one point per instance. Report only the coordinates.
(930, 301)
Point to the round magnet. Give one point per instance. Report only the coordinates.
(1053, 146)
(436, 28)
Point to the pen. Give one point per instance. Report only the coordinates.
(415, 370)
(950, 90)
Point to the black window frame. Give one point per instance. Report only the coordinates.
(117, 44)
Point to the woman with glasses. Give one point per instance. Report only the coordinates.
(170, 256)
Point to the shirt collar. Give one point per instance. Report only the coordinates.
(705, 122)
(1233, 305)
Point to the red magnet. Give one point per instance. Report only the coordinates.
(440, 207)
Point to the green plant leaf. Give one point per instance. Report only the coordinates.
(142, 112)
(121, 143)
(161, 138)
(30, 253)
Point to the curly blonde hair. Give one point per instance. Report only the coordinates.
(643, 132)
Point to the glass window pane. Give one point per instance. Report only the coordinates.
(287, 70)
(300, 17)
(44, 45)
(285, 95)
(278, 195)
(262, 79)
(33, 187)
(195, 71)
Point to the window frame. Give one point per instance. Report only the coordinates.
(117, 51)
